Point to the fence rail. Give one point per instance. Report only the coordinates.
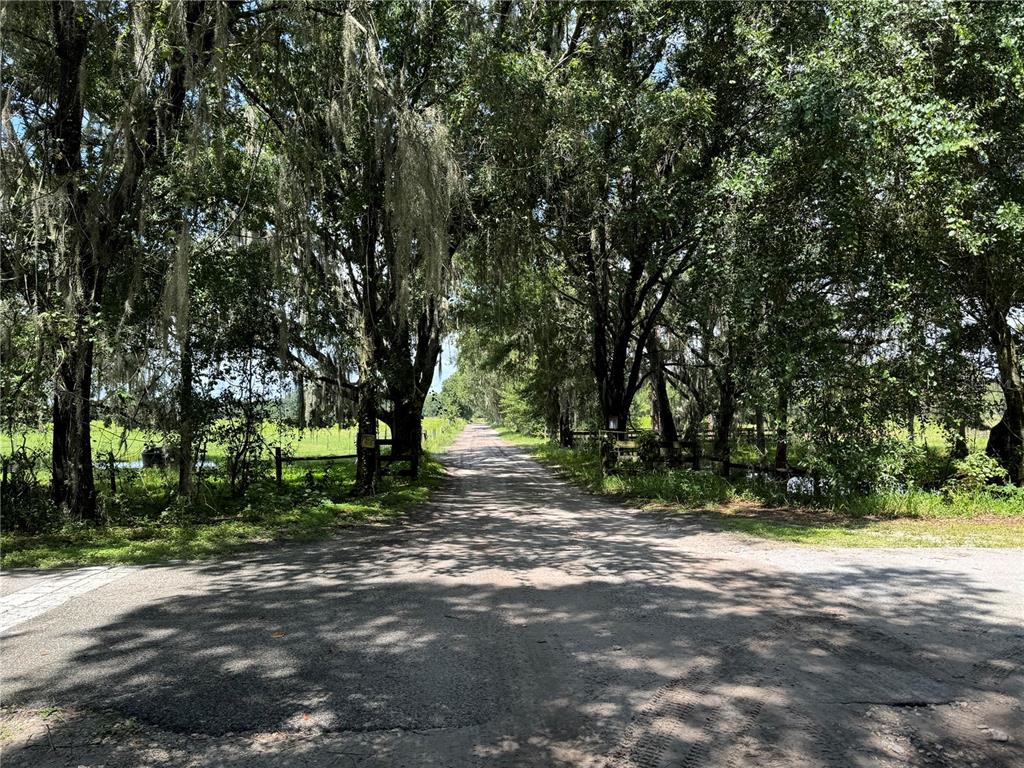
(619, 444)
(280, 458)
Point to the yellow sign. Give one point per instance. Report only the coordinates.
(367, 440)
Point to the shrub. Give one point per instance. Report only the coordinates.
(974, 473)
(903, 466)
(682, 486)
(26, 502)
(928, 468)
(649, 450)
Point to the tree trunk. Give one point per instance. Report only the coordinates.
(73, 487)
(724, 420)
(300, 415)
(366, 439)
(408, 373)
(762, 442)
(407, 429)
(185, 433)
(1006, 441)
(655, 413)
(666, 419)
(183, 330)
(617, 361)
(615, 415)
(552, 413)
(959, 449)
(614, 399)
(693, 430)
(662, 417)
(615, 418)
(782, 431)
(565, 427)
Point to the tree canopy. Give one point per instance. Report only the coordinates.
(805, 216)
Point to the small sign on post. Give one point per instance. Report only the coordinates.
(367, 440)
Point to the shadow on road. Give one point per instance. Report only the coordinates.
(525, 625)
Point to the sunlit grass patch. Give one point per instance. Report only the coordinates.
(313, 441)
(887, 533)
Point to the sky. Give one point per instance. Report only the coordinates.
(446, 366)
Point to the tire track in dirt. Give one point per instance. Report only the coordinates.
(991, 673)
(700, 719)
(669, 730)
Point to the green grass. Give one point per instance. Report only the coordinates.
(895, 519)
(128, 444)
(291, 514)
(883, 533)
(313, 502)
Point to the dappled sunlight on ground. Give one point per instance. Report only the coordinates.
(523, 623)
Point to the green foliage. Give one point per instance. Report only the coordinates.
(26, 503)
(859, 275)
(806, 216)
(454, 401)
(974, 473)
(907, 465)
(148, 525)
(649, 447)
(519, 410)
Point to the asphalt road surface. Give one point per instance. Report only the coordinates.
(520, 622)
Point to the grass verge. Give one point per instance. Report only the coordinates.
(293, 513)
(896, 519)
(313, 503)
(299, 511)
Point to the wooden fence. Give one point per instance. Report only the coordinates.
(625, 444)
(382, 459)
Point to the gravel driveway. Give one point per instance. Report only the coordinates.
(520, 622)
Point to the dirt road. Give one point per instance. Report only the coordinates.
(519, 622)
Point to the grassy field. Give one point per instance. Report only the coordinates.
(313, 502)
(897, 519)
(128, 444)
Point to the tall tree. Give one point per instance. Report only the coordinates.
(372, 185)
(118, 79)
(941, 89)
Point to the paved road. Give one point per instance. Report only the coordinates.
(27, 594)
(519, 622)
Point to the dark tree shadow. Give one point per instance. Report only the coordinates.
(565, 631)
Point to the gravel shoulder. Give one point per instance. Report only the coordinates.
(523, 623)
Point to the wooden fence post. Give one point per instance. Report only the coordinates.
(278, 469)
